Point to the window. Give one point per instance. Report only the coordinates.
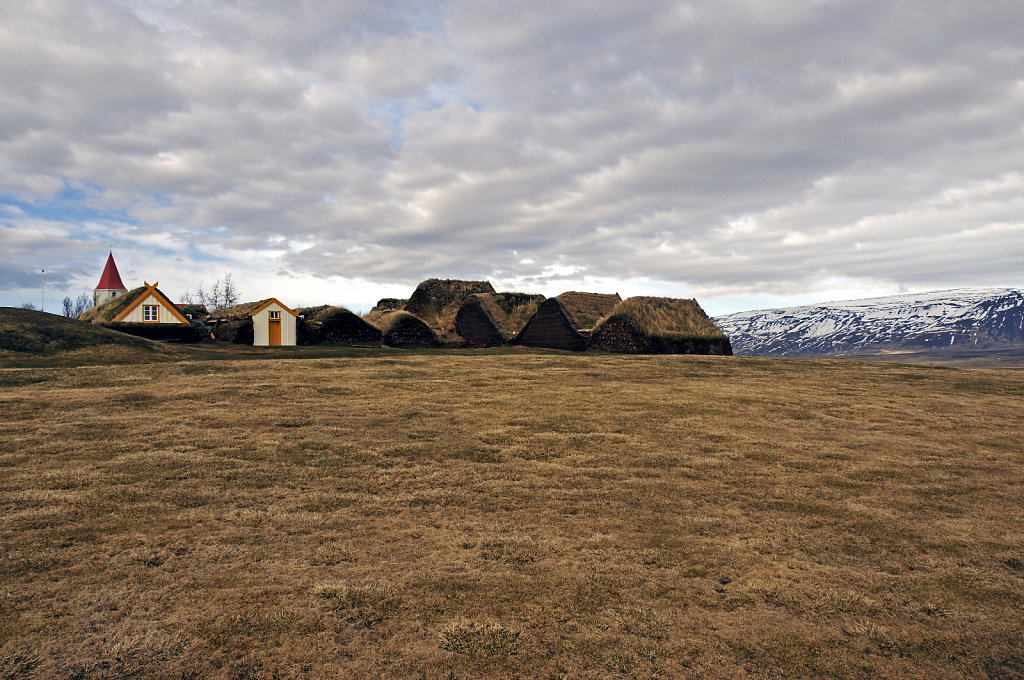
(150, 313)
(275, 316)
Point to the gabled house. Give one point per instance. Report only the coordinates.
(659, 325)
(273, 324)
(266, 323)
(487, 319)
(566, 321)
(436, 301)
(144, 311)
(150, 306)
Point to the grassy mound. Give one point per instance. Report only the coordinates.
(336, 325)
(436, 302)
(29, 331)
(385, 304)
(32, 338)
(659, 325)
(402, 329)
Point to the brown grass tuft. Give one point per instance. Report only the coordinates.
(480, 640)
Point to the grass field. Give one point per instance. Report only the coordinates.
(511, 514)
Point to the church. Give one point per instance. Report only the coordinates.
(110, 285)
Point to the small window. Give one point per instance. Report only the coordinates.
(150, 313)
(275, 315)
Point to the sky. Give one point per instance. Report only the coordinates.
(746, 153)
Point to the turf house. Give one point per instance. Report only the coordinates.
(144, 311)
(659, 325)
(273, 325)
(402, 329)
(566, 321)
(489, 319)
(266, 323)
(436, 301)
(336, 326)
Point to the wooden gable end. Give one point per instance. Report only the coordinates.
(133, 313)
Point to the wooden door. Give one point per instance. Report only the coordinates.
(275, 332)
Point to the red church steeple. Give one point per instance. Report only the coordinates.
(110, 280)
(110, 285)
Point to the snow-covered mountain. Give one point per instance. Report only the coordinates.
(948, 319)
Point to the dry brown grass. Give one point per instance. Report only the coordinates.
(511, 515)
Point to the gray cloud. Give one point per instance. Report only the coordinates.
(721, 148)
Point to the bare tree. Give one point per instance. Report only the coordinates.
(27, 305)
(204, 297)
(82, 303)
(223, 293)
(74, 308)
(230, 291)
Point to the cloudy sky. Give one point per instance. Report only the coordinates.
(747, 153)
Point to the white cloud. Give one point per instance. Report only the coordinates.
(718, 149)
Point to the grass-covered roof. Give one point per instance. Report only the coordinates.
(106, 312)
(584, 310)
(337, 325)
(321, 313)
(239, 312)
(402, 328)
(506, 312)
(672, 317)
(390, 303)
(386, 319)
(436, 301)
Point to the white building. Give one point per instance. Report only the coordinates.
(273, 324)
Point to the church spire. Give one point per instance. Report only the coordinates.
(110, 285)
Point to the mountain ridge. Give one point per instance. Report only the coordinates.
(978, 318)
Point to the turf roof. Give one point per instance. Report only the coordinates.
(106, 312)
(321, 312)
(584, 310)
(669, 317)
(242, 311)
(508, 312)
(386, 319)
(436, 301)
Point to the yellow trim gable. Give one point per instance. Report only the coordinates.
(269, 302)
(164, 302)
